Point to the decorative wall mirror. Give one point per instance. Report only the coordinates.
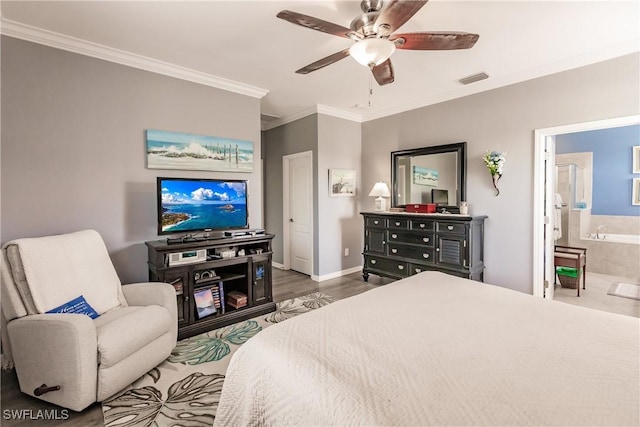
(429, 175)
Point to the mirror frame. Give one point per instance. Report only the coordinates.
(459, 147)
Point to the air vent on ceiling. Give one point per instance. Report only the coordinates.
(474, 78)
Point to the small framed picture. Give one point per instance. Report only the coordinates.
(342, 183)
(635, 200)
(636, 159)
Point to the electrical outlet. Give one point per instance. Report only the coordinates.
(346, 251)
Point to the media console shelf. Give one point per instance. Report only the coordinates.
(195, 266)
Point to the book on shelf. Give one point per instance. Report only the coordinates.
(236, 299)
(238, 304)
(204, 302)
(222, 305)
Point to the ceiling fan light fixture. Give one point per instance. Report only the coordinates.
(372, 51)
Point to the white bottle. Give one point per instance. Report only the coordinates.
(464, 208)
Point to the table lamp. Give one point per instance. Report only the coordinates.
(380, 190)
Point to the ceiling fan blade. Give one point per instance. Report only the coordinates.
(383, 73)
(435, 41)
(324, 62)
(315, 23)
(396, 12)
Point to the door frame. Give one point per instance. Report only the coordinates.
(541, 193)
(286, 246)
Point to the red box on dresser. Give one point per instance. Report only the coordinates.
(421, 208)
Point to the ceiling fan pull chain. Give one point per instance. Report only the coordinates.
(370, 89)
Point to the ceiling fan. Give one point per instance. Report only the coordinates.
(374, 39)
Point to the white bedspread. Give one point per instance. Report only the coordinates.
(434, 349)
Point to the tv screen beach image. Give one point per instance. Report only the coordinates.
(189, 205)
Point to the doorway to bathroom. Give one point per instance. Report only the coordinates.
(580, 201)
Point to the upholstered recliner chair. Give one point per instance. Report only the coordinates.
(73, 360)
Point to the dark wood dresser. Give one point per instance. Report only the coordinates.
(401, 244)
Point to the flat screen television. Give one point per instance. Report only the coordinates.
(195, 205)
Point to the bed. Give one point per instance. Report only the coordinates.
(434, 349)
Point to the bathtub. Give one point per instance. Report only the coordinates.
(615, 255)
(631, 239)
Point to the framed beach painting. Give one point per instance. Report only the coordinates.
(185, 151)
(636, 159)
(635, 198)
(425, 176)
(342, 183)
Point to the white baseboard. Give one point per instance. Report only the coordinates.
(277, 265)
(335, 274)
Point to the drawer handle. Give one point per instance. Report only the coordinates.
(394, 251)
(394, 236)
(425, 256)
(401, 267)
(373, 261)
(397, 224)
(422, 225)
(375, 222)
(450, 227)
(425, 239)
(418, 270)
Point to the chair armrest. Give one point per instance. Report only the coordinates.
(153, 293)
(56, 349)
(150, 293)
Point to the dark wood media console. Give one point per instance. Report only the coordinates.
(193, 266)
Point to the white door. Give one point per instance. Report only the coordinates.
(549, 215)
(543, 217)
(298, 212)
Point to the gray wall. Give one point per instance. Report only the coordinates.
(291, 138)
(73, 147)
(339, 222)
(504, 120)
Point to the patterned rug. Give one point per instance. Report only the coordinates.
(185, 389)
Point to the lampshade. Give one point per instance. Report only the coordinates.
(380, 190)
(373, 51)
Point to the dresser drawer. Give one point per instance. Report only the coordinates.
(417, 268)
(450, 227)
(422, 224)
(418, 253)
(376, 222)
(425, 239)
(397, 268)
(399, 223)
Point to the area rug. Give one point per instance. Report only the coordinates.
(625, 290)
(185, 389)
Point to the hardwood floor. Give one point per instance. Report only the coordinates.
(291, 284)
(19, 409)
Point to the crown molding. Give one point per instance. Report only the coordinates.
(71, 44)
(337, 112)
(292, 118)
(318, 109)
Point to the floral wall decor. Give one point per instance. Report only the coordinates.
(495, 162)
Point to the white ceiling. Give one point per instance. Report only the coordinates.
(242, 44)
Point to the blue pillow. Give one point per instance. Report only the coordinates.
(76, 306)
